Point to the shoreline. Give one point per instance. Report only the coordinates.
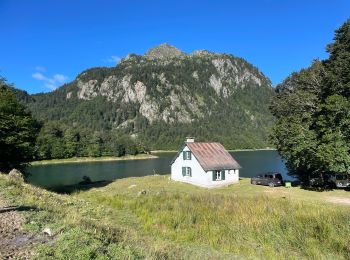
(94, 159)
(153, 155)
(234, 150)
(164, 151)
(253, 149)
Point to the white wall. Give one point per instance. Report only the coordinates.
(199, 176)
(231, 176)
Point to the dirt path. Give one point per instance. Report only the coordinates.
(15, 243)
(339, 200)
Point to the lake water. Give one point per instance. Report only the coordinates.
(58, 175)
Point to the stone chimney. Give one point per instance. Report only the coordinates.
(189, 139)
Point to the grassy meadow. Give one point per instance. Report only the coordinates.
(171, 220)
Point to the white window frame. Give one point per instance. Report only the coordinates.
(218, 175)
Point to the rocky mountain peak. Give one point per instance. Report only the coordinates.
(164, 51)
(201, 53)
(166, 90)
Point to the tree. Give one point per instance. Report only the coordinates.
(72, 141)
(50, 141)
(96, 145)
(17, 131)
(337, 79)
(312, 111)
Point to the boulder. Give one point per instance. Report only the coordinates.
(142, 192)
(16, 175)
(47, 231)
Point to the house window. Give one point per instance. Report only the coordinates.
(187, 155)
(219, 175)
(187, 171)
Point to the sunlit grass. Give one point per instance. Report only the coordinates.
(177, 220)
(243, 219)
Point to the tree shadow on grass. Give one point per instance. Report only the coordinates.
(317, 188)
(18, 208)
(82, 186)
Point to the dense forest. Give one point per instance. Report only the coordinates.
(18, 131)
(312, 110)
(148, 103)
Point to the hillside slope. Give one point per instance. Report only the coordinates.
(174, 220)
(165, 95)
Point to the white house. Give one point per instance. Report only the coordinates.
(204, 164)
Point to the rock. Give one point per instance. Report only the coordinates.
(87, 90)
(141, 192)
(201, 53)
(47, 231)
(164, 51)
(132, 186)
(16, 175)
(160, 193)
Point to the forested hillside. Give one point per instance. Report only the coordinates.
(154, 101)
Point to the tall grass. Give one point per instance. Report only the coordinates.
(85, 230)
(178, 221)
(257, 226)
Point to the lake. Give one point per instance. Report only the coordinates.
(58, 175)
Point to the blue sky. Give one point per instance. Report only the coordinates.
(46, 43)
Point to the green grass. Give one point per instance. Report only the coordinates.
(94, 159)
(177, 220)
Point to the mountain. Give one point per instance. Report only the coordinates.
(163, 96)
(163, 51)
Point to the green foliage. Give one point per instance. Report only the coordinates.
(333, 125)
(56, 140)
(17, 131)
(312, 111)
(338, 64)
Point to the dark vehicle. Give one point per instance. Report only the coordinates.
(340, 180)
(317, 182)
(271, 179)
(320, 180)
